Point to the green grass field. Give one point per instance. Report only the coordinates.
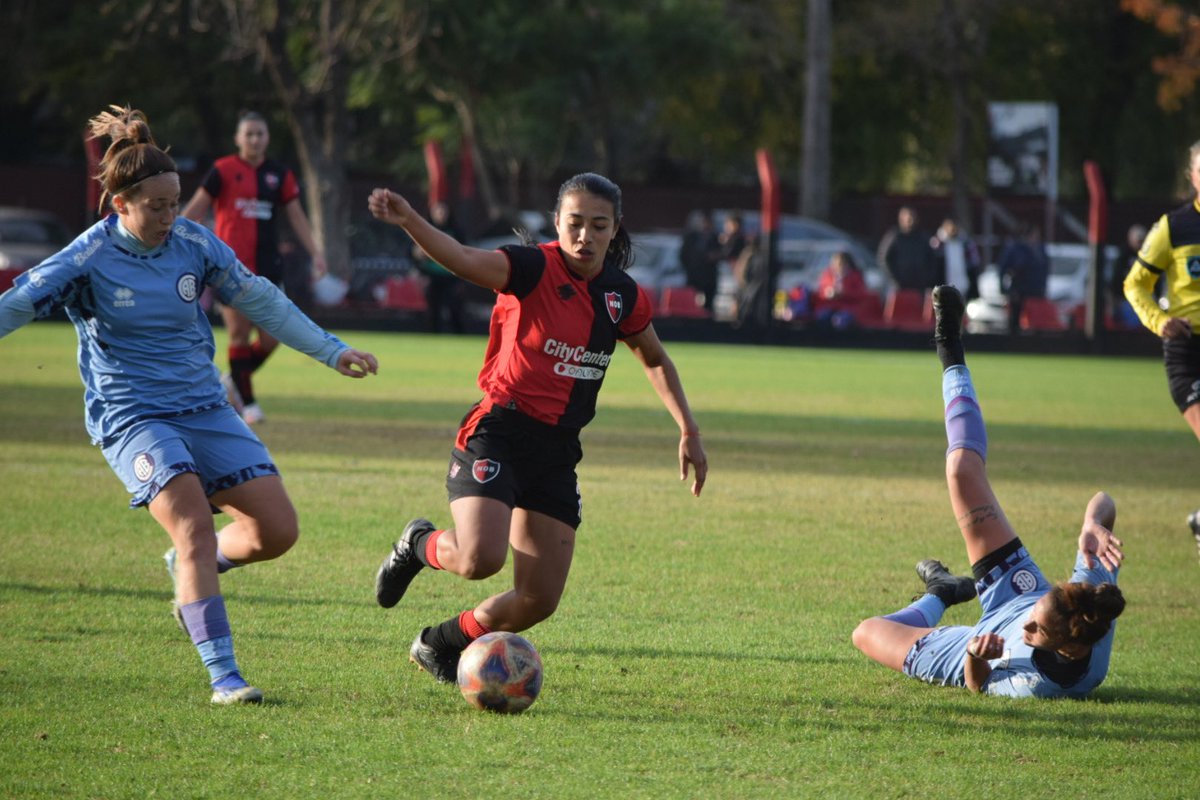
(703, 646)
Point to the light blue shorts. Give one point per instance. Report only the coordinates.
(215, 444)
(1006, 593)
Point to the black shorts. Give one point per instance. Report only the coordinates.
(1181, 357)
(521, 462)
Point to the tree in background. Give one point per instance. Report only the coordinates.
(1181, 69)
(818, 108)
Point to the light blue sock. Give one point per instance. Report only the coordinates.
(217, 655)
(964, 419)
(924, 612)
(208, 624)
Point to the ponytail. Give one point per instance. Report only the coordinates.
(1085, 612)
(132, 157)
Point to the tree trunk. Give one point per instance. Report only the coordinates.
(817, 147)
(316, 116)
(956, 75)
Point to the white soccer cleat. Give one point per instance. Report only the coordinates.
(253, 414)
(242, 695)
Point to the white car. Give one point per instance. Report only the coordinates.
(1067, 286)
(656, 261)
(28, 237)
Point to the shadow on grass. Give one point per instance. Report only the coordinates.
(788, 442)
(76, 590)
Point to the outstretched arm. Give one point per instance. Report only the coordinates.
(1096, 540)
(486, 268)
(663, 376)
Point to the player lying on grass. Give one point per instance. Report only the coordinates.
(1034, 639)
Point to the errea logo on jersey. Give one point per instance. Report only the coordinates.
(576, 361)
(123, 298)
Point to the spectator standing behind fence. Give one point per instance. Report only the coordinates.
(905, 254)
(1024, 270)
(701, 255)
(1122, 312)
(956, 258)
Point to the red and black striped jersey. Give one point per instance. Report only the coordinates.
(553, 334)
(245, 201)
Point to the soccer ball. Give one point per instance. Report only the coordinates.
(500, 672)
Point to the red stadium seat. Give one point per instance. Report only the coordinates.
(908, 310)
(869, 312)
(404, 294)
(1040, 314)
(7, 276)
(682, 301)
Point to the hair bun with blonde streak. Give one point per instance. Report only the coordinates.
(121, 124)
(132, 157)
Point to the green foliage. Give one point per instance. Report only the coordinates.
(669, 91)
(702, 648)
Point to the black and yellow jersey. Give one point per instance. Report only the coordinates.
(1171, 251)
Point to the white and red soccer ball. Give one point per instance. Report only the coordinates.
(500, 672)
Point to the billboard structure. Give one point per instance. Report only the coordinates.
(1023, 149)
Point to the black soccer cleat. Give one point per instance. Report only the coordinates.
(948, 311)
(950, 589)
(401, 566)
(1194, 524)
(441, 664)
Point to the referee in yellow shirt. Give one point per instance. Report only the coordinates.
(1172, 252)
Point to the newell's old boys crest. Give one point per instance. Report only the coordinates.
(612, 301)
(484, 469)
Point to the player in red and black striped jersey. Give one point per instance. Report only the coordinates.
(560, 311)
(1171, 252)
(245, 192)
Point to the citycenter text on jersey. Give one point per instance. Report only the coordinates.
(576, 361)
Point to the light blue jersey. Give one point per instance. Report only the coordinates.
(145, 345)
(1007, 595)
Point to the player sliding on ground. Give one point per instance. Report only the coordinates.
(561, 308)
(1034, 639)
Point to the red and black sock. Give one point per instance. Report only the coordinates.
(425, 546)
(456, 633)
(259, 354)
(241, 364)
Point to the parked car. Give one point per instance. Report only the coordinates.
(656, 261)
(1067, 286)
(804, 247)
(28, 237)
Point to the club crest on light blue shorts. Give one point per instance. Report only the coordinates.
(215, 444)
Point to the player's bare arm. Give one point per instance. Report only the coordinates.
(486, 268)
